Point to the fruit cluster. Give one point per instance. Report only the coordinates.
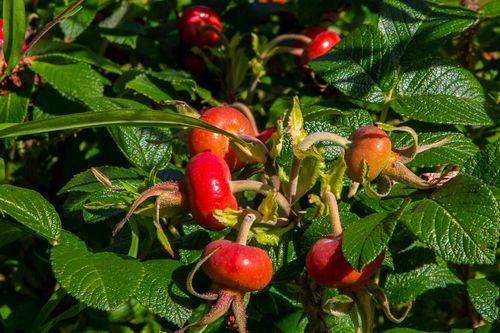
(208, 190)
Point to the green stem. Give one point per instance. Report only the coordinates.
(314, 138)
(134, 244)
(385, 107)
(71, 312)
(333, 207)
(47, 309)
(263, 57)
(245, 226)
(261, 188)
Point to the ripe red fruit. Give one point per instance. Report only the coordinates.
(1, 35)
(371, 144)
(207, 184)
(192, 20)
(326, 264)
(228, 119)
(236, 266)
(311, 32)
(320, 44)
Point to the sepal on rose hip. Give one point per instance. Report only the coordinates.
(370, 156)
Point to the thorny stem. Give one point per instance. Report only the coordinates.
(331, 201)
(261, 188)
(310, 297)
(385, 107)
(466, 43)
(246, 111)
(245, 226)
(263, 57)
(314, 138)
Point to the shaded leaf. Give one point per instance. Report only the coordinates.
(485, 296)
(45, 49)
(160, 293)
(418, 271)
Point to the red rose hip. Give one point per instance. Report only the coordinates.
(370, 144)
(228, 119)
(236, 266)
(191, 22)
(207, 184)
(326, 264)
(321, 44)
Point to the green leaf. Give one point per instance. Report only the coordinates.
(459, 221)
(490, 10)
(143, 147)
(14, 106)
(138, 118)
(365, 239)
(100, 280)
(31, 210)
(74, 81)
(49, 49)
(418, 271)
(14, 28)
(485, 296)
(86, 181)
(142, 84)
(159, 291)
(182, 82)
(414, 28)
(101, 205)
(486, 166)
(358, 66)
(457, 150)
(9, 233)
(435, 90)
(125, 33)
(74, 25)
(320, 226)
